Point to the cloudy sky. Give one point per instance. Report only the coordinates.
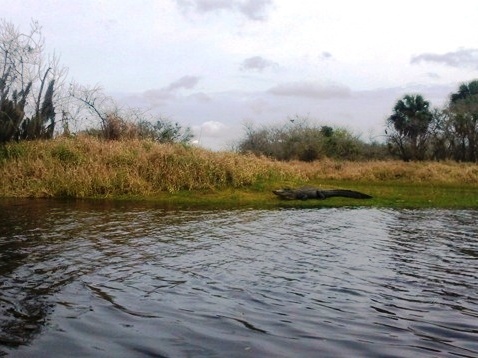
(215, 65)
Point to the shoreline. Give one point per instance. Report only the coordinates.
(383, 197)
(185, 176)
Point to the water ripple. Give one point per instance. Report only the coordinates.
(99, 279)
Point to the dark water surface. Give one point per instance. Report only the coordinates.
(100, 279)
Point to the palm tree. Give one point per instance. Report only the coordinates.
(463, 110)
(465, 91)
(409, 124)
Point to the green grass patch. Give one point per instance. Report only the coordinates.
(384, 195)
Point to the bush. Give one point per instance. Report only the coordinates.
(115, 127)
(298, 140)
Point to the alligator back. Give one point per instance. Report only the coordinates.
(305, 193)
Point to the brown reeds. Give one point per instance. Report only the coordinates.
(448, 172)
(89, 167)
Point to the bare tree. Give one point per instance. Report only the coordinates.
(34, 97)
(89, 102)
(28, 84)
(120, 123)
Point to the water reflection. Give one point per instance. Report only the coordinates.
(114, 279)
(434, 277)
(39, 242)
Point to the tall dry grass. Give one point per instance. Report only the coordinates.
(89, 167)
(449, 172)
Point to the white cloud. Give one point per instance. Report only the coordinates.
(433, 75)
(257, 63)
(310, 89)
(186, 82)
(254, 9)
(251, 9)
(157, 97)
(212, 128)
(213, 135)
(325, 55)
(201, 97)
(460, 58)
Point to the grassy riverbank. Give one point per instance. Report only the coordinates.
(86, 167)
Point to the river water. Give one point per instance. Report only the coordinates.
(105, 279)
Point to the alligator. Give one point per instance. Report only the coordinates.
(315, 193)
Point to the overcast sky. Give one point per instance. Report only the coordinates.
(214, 65)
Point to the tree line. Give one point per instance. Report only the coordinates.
(415, 131)
(37, 102)
(299, 139)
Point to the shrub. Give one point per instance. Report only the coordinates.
(298, 140)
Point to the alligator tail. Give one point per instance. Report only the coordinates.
(343, 193)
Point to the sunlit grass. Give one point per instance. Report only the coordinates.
(86, 167)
